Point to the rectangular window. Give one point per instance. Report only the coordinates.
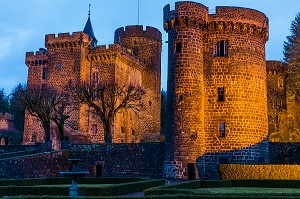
(94, 128)
(122, 129)
(44, 73)
(221, 129)
(178, 47)
(221, 94)
(95, 78)
(221, 48)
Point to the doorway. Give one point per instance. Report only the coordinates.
(191, 171)
(99, 169)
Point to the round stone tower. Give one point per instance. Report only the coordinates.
(147, 45)
(185, 92)
(217, 97)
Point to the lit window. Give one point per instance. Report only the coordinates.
(95, 78)
(44, 73)
(94, 127)
(221, 129)
(221, 94)
(221, 48)
(178, 47)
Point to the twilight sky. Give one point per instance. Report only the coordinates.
(24, 23)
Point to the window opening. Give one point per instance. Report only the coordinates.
(221, 48)
(221, 94)
(44, 73)
(94, 128)
(222, 129)
(178, 47)
(95, 78)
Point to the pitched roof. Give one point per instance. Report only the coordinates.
(88, 29)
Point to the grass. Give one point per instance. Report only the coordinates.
(226, 189)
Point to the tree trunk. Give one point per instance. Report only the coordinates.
(107, 131)
(61, 134)
(46, 127)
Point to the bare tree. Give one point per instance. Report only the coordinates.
(61, 113)
(107, 99)
(40, 103)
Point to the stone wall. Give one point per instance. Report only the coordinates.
(34, 166)
(277, 103)
(146, 44)
(209, 52)
(6, 122)
(134, 59)
(284, 152)
(123, 160)
(208, 163)
(115, 160)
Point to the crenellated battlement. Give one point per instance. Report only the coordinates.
(65, 40)
(115, 51)
(276, 67)
(242, 15)
(226, 20)
(186, 9)
(36, 59)
(137, 31)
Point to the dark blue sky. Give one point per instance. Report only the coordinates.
(24, 23)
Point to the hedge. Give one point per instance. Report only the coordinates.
(58, 189)
(63, 180)
(269, 171)
(179, 196)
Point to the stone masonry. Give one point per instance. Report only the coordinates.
(217, 98)
(134, 59)
(6, 122)
(277, 103)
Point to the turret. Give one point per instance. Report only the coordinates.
(185, 107)
(217, 97)
(146, 44)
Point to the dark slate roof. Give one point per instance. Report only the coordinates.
(88, 29)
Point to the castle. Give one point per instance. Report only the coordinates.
(135, 59)
(217, 107)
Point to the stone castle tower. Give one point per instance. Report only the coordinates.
(217, 97)
(134, 59)
(277, 103)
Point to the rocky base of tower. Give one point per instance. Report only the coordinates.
(208, 164)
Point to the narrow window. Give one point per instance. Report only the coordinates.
(44, 73)
(59, 66)
(221, 48)
(180, 98)
(122, 129)
(132, 132)
(221, 129)
(94, 128)
(221, 94)
(95, 77)
(178, 47)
